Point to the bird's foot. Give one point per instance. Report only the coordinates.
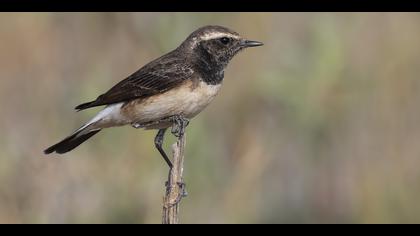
(181, 193)
(179, 125)
(183, 188)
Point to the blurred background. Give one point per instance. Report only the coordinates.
(320, 125)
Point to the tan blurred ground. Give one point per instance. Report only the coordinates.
(319, 125)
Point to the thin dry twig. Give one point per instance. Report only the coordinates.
(175, 187)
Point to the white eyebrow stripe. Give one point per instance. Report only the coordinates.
(217, 35)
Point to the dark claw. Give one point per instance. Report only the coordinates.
(183, 186)
(175, 130)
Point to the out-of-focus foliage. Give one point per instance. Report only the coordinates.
(321, 124)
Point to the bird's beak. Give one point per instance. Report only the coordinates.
(250, 43)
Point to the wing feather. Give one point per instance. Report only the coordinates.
(156, 77)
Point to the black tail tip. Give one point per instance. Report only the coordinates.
(51, 149)
(70, 142)
(84, 106)
(48, 151)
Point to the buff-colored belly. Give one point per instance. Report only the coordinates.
(188, 100)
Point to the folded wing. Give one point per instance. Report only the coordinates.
(156, 77)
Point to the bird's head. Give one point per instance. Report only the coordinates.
(216, 44)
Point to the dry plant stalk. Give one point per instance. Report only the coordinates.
(175, 187)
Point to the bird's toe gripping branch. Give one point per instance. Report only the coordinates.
(179, 125)
(183, 193)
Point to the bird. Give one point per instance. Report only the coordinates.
(167, 92)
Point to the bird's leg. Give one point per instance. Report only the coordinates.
(179, 125)
(158, 144)
(178, 129)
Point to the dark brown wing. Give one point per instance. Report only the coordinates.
(156, 77)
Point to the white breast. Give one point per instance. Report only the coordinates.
(188, 99)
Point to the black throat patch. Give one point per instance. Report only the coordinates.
(211, 71)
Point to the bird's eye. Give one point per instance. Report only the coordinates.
(225, 40)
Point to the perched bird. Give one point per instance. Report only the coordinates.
(166, 92)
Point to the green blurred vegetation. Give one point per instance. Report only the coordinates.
(321, 125)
